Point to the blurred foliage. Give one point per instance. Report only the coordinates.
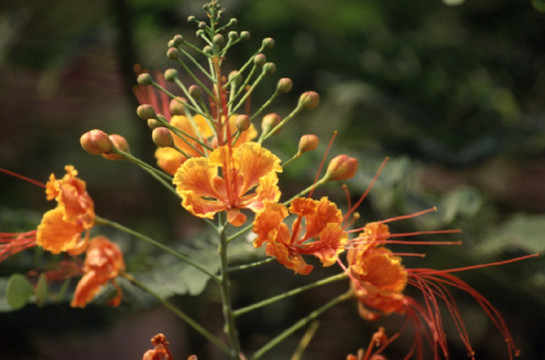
(453, 94)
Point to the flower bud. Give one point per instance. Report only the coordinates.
(201, 25)
(242, 122)
(96, 142)
(145, 111)
(153, 123)
(269, 68)
(232, 22)
(200, 32)
(269, 122)
(176, 106)
(144, 79)
(268, 43)
(191, 18)
(218, 39)
(235, 77)
(172, 53)
(245, 35)
(121, 144)
(284, 85)
(341, 167)
(308, 142)
(208, 50)
(232, 35)
(195, 91)
(309, 100)
(171, 74)
(260, 59)
(162, 137)
(178, 39)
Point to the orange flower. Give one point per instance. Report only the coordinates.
(197, 132)
(378, 280)
(322, 223)
(161, 351)
(248, 179)
(103, 263)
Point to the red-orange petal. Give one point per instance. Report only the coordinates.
(56, 235)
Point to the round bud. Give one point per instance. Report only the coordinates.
(144, 79)
(176, 106)
(218, 39)
(153, 123)
(172, 53)
(200, 33)
(145, 111)
(232, 22)
(171, 43)
(96, 142)
(269, 68)
(162, 137)
(171, 74)
(121, 144)
(245, 35)
(260, 59)
(309, 100)
(178, 39)
(208, 50)
(341, 167)
(308, 142)
(191, 18)
(268, 43)
(242, 122)
(201, 25)
(284, 85)
(234, 76)
(232, 36)
(269, 122)
(195, 91)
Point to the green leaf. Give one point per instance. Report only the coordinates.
(525, 232)
(539, 5)
(463, 201)
(42, 293)
(18, 291)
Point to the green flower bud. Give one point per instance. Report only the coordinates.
(232, 22)
(242, 122)
(269, 122)
(172, 53)
(218, 39)
(284, 85)
(144, 79)
(171, 74)
(96, 142)
(201, 25)
(195, 91)
(178, 39)
(232, 36)
(191, 18)
(145, 111)
(309, 100)
(208, 50)
(269, 68)
(268, 43)
(260, 59)
(176, 106)
(245, 35)
(200, 32)
(162, 137)
(153, 123)
(235, 77)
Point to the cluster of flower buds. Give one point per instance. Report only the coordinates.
(111, 147)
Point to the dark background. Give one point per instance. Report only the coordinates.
(453, 94)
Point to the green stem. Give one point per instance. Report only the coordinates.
(290, 293)
(250, 265)
(282, 123)
(186, 259)
(182, 315)
(240, 232)
(307, 190)
(229, 319)
(299, 324)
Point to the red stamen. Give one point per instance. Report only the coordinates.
(22, 177)
(364, 195)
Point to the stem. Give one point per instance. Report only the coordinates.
(187, 260)
(182, 315)
(290, 293)
(250, 265)
(307, 190)
(280, 124)
(228, 316)
(299, 324)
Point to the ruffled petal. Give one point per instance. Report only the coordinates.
(253, 162)
(169, 159)
(269, 220)
(56, 235)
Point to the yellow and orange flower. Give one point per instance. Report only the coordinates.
(197, 132)
(103, 263)
(229, 180)
(322, 234)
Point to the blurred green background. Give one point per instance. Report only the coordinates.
(455, 95)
